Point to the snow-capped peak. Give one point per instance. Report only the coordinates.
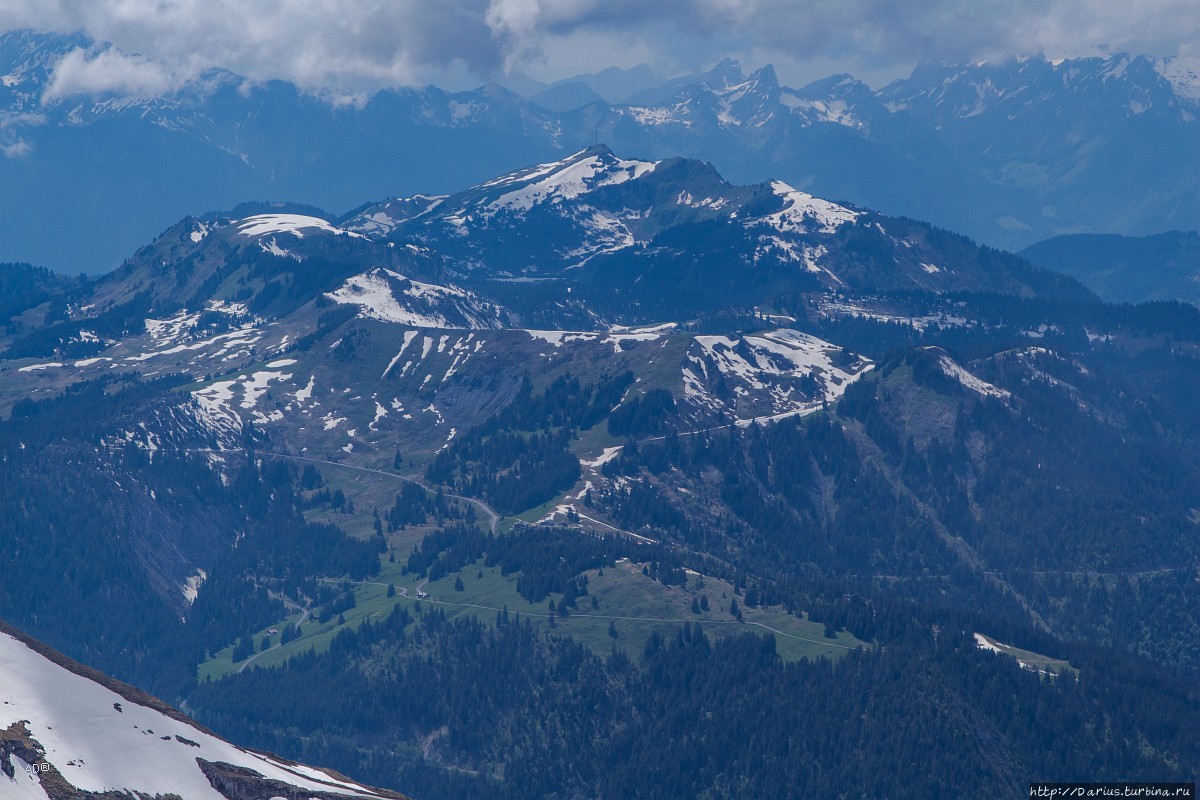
(578, 174)
(724, 75)
(801, 212)
(1183, 73)
(751, 102)
(382, 219)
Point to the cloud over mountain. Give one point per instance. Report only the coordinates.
(357, 44)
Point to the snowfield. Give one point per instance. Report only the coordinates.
(802, 212)
(295, 224)
(103, 741)
(388, 296)
(770, 375)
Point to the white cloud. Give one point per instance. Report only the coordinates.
(861, 34)
(17, 120)
(16, 149)
(326, 45)
(11, 144)
(108, 71)
(348, 46)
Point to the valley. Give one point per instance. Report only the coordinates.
(476, 495)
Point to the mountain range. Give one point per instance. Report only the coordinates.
(1008, 153)
(576, 252)
(480, 493)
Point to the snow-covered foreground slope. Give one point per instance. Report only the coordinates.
(66, 732)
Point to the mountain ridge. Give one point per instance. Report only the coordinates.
(1165, 266)
(579, 219)
(887, 149)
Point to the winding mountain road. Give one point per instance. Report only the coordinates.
(493, 517)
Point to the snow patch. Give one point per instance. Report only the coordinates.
(616, 339)
(272, 247)
(982, 387)
(257, 384)
(408, 338)
(865, 310)
(607, 455)
(304, 395)
(380, 413)
(198, 233)
(191, 587)
(837, 111)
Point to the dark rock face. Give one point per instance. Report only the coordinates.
(238, 783)
(17, 741)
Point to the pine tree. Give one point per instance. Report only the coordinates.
(243, 649)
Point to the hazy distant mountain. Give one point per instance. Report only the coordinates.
(566, 96)
(674, 237)
(215, 144)
(1009, 153)
(1127, 269)
(615, 85)
(1090, 145)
